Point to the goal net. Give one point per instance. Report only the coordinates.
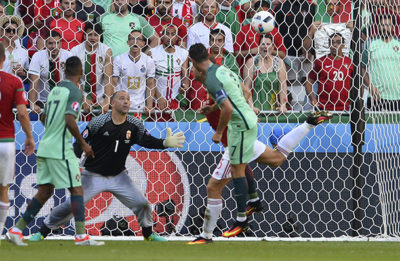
(342, 181)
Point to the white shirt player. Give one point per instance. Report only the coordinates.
(168, 70)
(132, 77)
(177, 8)
(200, 33)
(40, 66)
(101, 53)
(18, 56)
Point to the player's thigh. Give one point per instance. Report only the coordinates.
(7, 162)
(271, 157)
(223, 169)
(43, 173)
(92, 184)
(215, 187)
(258, 149)
(241, 145)
(64, 173)
(122, 187)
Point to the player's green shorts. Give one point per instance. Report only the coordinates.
(60, 173)
(241, 145)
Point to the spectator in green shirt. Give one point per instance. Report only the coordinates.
(118, 25)
(227, 15)
(381, 65)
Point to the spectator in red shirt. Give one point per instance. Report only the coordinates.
(26, 9)
(247, 40)
(333, 73)
(163, 17)
(70, 28)
(43, 10)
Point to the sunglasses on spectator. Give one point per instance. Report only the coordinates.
(9, 30)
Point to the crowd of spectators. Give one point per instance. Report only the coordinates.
(142, 46)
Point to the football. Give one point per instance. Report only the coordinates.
(263, 22)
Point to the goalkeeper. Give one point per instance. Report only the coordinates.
(111, 136)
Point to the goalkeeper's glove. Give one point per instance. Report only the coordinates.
(174, 141)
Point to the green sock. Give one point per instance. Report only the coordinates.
(240, 195)
(33, 208)
(78, 210)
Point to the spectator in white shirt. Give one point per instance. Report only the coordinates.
(46, 70)
(134, 72)
(200, 32)
(17, 59)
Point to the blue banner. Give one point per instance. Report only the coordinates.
(323, 138)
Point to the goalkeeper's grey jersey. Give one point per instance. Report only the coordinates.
(111, 143)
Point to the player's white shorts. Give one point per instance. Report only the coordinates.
(223, 170)
(7, 162)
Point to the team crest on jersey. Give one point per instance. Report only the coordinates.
(178, 61)
(75, 106)
(128, 134)
(85, 134)
(395, 48)
(143, 69)
(132, 25)
(78, 177)
(100, 59)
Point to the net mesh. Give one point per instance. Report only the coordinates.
(317, 192)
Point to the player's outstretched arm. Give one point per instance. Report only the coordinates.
(23, 118)
(73, 128)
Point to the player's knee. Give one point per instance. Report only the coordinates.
(213, 191)
(143, 204)
(44, 193)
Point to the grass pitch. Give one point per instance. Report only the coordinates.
(220, 250)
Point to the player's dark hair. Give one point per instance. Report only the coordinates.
(336, 34)
(53, 34)
(261, 3)
(94, 27)
(115, 94)
(2, 51)
(266, 36)
(133, 31)
(73, 66)
(198, 52)
(216, 32)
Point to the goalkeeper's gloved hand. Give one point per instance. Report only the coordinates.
(174, 141)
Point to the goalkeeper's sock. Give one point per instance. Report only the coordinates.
(3, 214)
(290, 140)
(253, 196)
(241, 196)
(33, 208)
(147, 231)
(213, 210)
(78, 210)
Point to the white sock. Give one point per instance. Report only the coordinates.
(3, 214)
(290, 141)
(213, 210)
